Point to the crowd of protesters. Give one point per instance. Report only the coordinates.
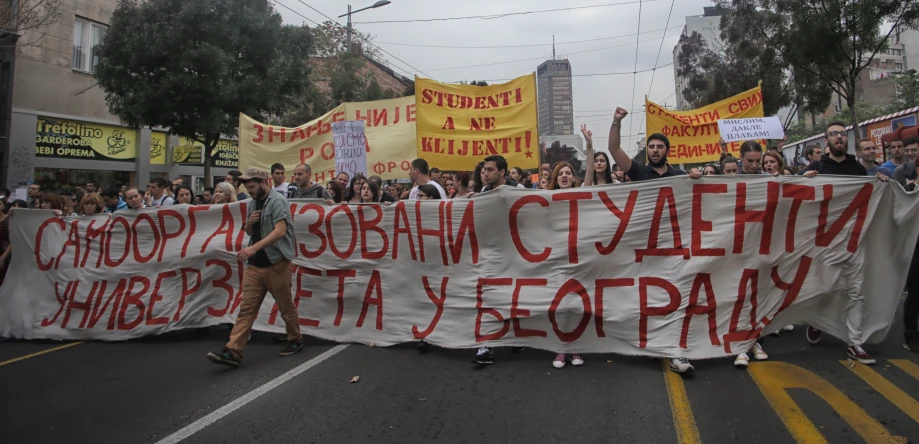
(269, 223)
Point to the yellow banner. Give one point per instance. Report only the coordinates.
(388, 124)
(78, 140)
(158, 144)
(459, 125)
(694, 134)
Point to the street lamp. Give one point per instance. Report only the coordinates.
(348, 14)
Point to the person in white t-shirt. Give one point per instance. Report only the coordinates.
(419, 175)
(277, 176)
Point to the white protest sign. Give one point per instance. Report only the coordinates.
(350, 147)
(21, 194)
(733, 130)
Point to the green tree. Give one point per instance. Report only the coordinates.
(192, 66)
(827, 43)
(907, 85)
(739, 65)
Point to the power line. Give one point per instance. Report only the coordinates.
(525, 46)
(635, 77)
(335, 22)
(659, 50)
(497, 16)
(583, 75)
(543, 58)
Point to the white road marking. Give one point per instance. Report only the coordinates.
(216, 415)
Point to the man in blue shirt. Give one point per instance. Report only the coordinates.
(112, 201)
(897, 155)
(867, 152)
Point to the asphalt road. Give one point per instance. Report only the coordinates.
(145, 391)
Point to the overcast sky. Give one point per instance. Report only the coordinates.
(595, 97)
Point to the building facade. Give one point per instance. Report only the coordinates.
(555, 98)
(708, 25)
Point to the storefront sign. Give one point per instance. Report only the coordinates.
(189, 152)
(877, 130)
(77, 140)
(158, 143)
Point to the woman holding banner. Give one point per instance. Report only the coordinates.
(353, 193)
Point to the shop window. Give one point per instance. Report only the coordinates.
(86, 36)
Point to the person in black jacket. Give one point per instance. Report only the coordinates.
(303, 187)
(838, 161)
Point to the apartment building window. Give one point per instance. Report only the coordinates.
(899, 66)
(86, 36)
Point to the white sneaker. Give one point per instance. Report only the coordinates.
(577, 360)
(680, 365)
(742, 360)
(788, 328)
(559, 361)
(759, 353)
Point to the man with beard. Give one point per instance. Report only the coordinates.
(343, 179)
(304, 188)
(838, 161)
(271, 248)
(658, 149)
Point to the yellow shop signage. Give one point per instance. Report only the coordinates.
(77, 140)
(225, 155)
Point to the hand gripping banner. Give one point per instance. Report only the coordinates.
(675, 267)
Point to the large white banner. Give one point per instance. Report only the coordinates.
(676, 267)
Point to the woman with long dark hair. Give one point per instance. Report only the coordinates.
(353, 193)
(599, 172)
(477, 178)
(370, 192)
(336, 191)
(460, 184)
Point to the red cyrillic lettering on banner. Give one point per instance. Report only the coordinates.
(93, 234)
(222, 282)
(341, 275)
(569, 287)
(515, 228)
(505, 326)
(700, 225)
(301, 293)
(646, 311)
(742, 216)
(702, 281)
(572, 197)
(372, 225)
(601, 285)
(467, 224)
(791, 289)
(108, 242)
(99, 308)
(73, 240)
(41, 232)
(401, 220)
(241, 274)
(858, 205)
(374, 286)
(186, 290)
(798, 194)
(135, 238)
(63, 301)
(192, 227)
(314, 229)
(665, 196)
(353, 224)
(241, 232)
(623, 216)
(518, 313)
(438, 302)
(749, 278)
(156, 297)
(132, 297)
(227, 228)
(438, 233)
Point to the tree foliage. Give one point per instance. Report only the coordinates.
(826, 44)
(719, 73)
(193, 66)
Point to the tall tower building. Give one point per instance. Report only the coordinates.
(556, 107)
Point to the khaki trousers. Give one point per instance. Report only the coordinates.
(257, 282)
